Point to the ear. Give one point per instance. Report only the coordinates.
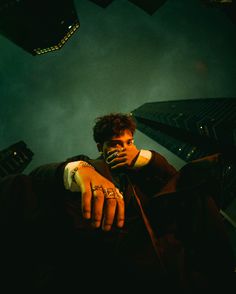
(99, 146)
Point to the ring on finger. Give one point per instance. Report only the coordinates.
(97, 187)
(111, 193)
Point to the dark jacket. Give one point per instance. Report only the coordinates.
(189, 251)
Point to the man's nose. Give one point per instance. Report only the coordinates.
(126, 145)
(121, 145)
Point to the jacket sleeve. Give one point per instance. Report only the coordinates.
(155, 175)
(51, 175)
(158, 166)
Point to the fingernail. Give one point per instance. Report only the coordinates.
(106, 227)
(96, 224)
(87, 215)
(120, 224)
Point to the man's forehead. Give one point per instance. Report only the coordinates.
(120, 139)
(124, 135)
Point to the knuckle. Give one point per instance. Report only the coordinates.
(98, 197)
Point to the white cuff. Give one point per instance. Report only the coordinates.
(143, 158)
(68, 176)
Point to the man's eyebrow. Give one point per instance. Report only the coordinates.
(116, 140)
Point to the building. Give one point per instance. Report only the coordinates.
(194, 128)
(14, 159)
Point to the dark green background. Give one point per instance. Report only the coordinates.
(119, 58)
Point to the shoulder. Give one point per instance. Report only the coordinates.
(161, 164)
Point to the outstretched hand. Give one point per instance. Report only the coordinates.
(102, 202)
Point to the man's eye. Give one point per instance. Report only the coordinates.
(130, 142)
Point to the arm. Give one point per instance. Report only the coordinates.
(129, 158)
(74, 176)
(49, 175)
(144, 161)
(158, 164)
(152, 177)
(147, 168)
(52, 175)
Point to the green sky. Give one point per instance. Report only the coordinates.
(119, 58)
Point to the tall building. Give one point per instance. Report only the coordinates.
(14, 159)
(192, 129)
(38, 26)
(195, 128)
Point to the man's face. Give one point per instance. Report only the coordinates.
(116, 143)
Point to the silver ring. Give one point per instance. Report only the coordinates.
(111, 193)
(97, 187)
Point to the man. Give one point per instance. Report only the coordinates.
(120, 160)
(101, 200)
(126, 218)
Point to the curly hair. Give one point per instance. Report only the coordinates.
(112, 124)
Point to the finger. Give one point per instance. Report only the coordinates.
(109, 214)
(120, 210)
(115, 154)
(98, 201)
(115, 150)
(112, 156)
(119, 165)
(117, 160)
(86, 195)
(121, 154)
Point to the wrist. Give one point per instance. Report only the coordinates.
(80, 165)
(69, 173)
